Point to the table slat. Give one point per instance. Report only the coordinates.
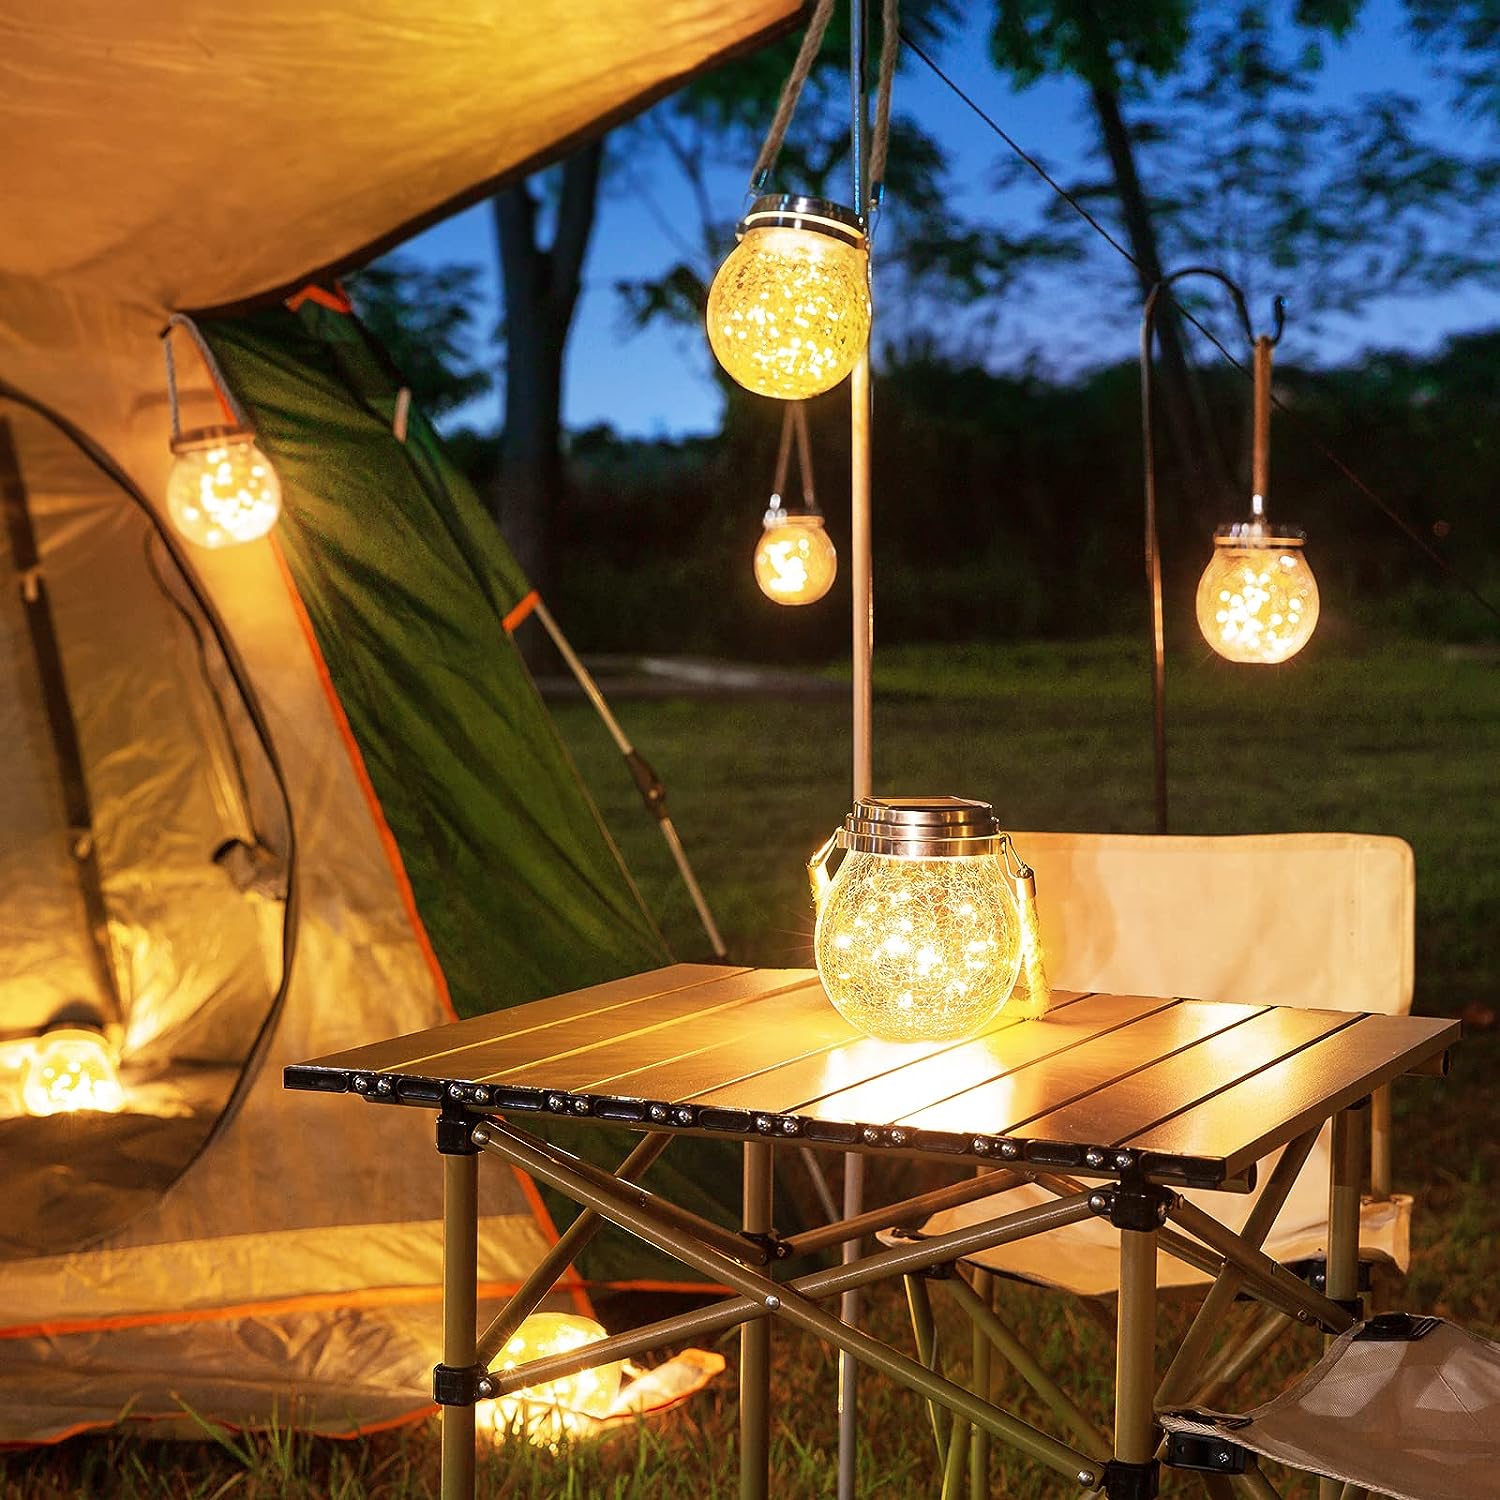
(788, 1088)
(1005, 1105)
(637, 1030)
(1250, 1118)
(419, 1047)
(1122, 1110)
(710, 1052)
(921, 1085)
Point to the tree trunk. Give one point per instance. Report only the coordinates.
(540, 288)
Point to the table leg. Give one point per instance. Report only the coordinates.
(854, 1202)
(755, 1340)
(1135, 1351)
(460, 1313)
(1346, 1175)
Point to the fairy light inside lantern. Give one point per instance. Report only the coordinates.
(789, 310)
(795, 561)
(1257, 599)
(557, 1409)
(69, 1070)
(918, 934)
(222, 490)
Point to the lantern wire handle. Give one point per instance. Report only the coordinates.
(232, 408)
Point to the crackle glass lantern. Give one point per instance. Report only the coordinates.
(789, 310)
(1257, 599)
(221, 490)
(68, 1070)
(795, 560)
(918, 933)
(568, 1406)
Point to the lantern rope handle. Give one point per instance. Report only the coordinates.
(791, 92)
(794, 423)
(233, 409)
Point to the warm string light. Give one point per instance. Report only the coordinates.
(70, 1070)
(557, 1409)
(918, 934)
(789, 310)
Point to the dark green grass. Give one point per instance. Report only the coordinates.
(1392, 738)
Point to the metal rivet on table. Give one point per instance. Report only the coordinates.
(684, 1117)
(1093, 1157)
(980, 1147)
(763, 1124)
(382, 1085)
(1009, 1150)
(657, 1112)
(772, 1303)
(580, 1106)
(480, 1094)
(455, 1091)
(555, 1101)
(790, 1127)
(1125, 1160)
(898, 1138)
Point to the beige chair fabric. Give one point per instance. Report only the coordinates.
(1418, 1419)
(1319, 919)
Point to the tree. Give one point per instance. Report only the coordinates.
(425, 317)
(1467, 33)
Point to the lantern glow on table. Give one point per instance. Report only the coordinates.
(918, 934)
(789, 310)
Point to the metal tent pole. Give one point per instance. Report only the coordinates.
(653, 793)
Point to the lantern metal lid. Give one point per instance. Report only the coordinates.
(1258, 532)
(210, 437)
(794, 211)
(921, 827)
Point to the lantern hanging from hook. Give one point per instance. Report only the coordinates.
(1257, 599)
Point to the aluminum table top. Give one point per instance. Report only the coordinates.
(1193, 1092)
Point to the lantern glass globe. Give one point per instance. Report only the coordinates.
(71, 1069)
(795, 560)
(918, 949)
(789, 310)
(1257, 599)
(222, 490)
(559, 1408)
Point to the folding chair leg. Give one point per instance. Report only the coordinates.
(958, 1451)
(755, 1340)
(1238, 1357)
(1253, 1485)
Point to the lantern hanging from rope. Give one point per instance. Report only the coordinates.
(221, 490)
(795, 560)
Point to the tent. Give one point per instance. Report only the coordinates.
(261, 804)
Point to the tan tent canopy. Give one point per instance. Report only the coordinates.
(195, 153)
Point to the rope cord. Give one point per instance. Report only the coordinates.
(794, 423)
(880, 139)
(215, 374)
(1302, 424)
(791, 91)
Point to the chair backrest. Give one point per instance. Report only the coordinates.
(1312, 919)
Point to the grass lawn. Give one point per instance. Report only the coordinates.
(1393, 738)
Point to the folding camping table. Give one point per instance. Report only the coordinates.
(1140, 1096)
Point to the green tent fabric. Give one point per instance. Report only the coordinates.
(516, 880)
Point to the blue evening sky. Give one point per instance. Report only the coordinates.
(655, 383)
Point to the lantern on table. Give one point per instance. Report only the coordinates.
(919, 933)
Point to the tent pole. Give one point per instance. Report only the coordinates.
(653, 793)
(78, 807)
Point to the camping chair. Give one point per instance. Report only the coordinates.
(1315, 920)
(1401, 1406)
